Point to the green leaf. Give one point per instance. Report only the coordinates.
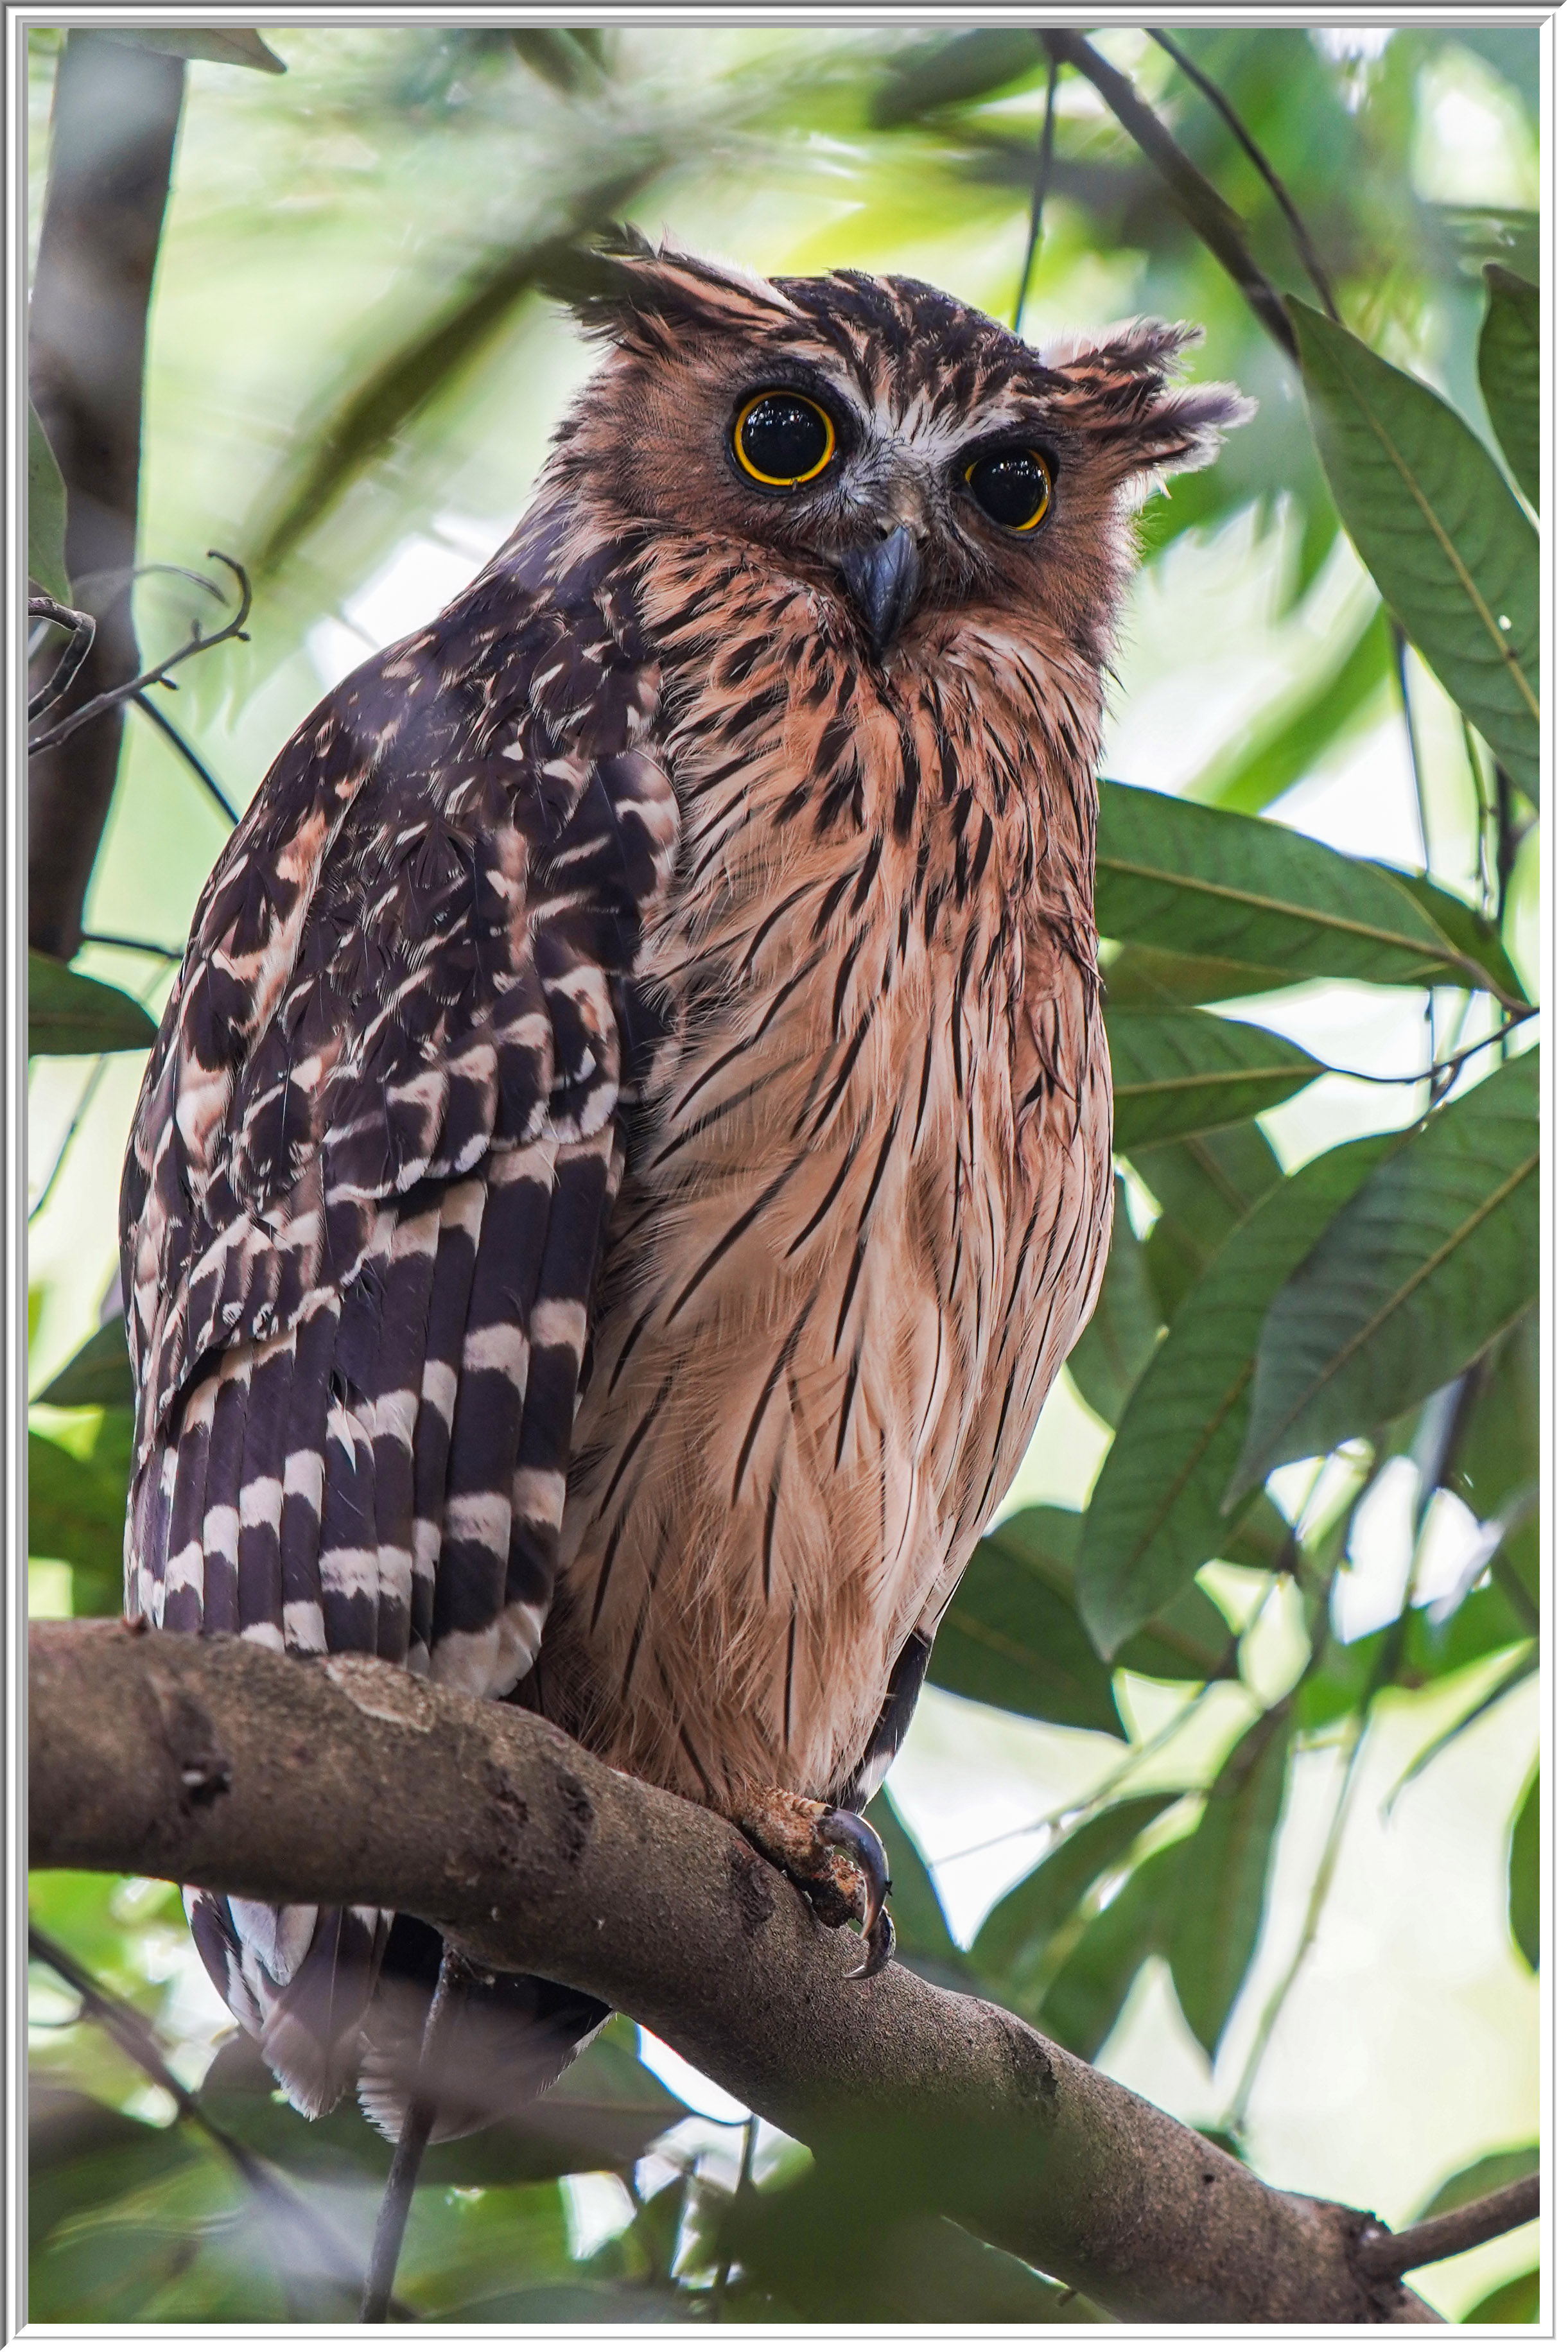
(224, 46)
(1438, 529)
(1524, 1874)
(1124, 1329)
(1086, 1994)
(1158, 1513)
(76, 1512)
(98, 1373)
(1508, 366)
(1515, 2304)
(1482, 2179)
(1185, 1072)
(1518, 1670)
(1265, 761)
(69, 1014)
(953, 71)
(1011, 1635)
(1206, 882)
(1011, 1951)
(1141, 978)
(1498, 1460)
(1475, 941)
(1204, 1184)
(46, 514)
(1226, 1878)
(559, 54)
(82, 2154)
(1432, 1258)
(923, 1931)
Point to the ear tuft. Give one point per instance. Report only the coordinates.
(1122, 394)
(649, 298)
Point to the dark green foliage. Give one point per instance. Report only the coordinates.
(69, 1014)
(1434, 1254)
(1226, 1878)
(1438, 529)
(1524, 1874)
(1508, 366)
(1125, 1327)
(98, 1373)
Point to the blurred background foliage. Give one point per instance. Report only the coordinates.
(1228, 1776)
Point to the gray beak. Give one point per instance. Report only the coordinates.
(884, 581)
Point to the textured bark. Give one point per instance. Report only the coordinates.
(225, 1765)
(116, 112)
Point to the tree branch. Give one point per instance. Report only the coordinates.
(223, 1764)
(1451, 2233)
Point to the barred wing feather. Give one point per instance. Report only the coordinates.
(370, 1170)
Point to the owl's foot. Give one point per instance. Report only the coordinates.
(835, 1857)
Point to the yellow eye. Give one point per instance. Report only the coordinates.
(1012, 486)
(784, 439)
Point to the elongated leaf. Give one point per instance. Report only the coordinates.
(1185, 1072)
(1011, 1635)
(69, 1014)
(1474, 938)
(1498, 1462)
(1085, 1995)
(1515, 2304)
(1516, 1671)
(1508, 366)
(1011, 1949)
(1124, 1329)
(98, 1373)
(1143, 979)
(76, 1512)
(1438, 529)
(1524, 1874)
(561, 55)
(1206, 882)
(1226, 1878)
(1437, 1254)
(1157, 1511)
(953, 71)
(1267, 762)
(1205, 1185)
(225, 45)
(46, 514)
(923, 1931)
(1482, 2179)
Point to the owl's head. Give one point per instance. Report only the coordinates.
(882, 440)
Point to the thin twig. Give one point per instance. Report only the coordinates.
(159, 674)
(132, 947)
(78, 1114)
(1446, 1068)
(418, 2119)
(83, 629)
(1206, 209)
(204, 774)
(1042, 181)
(1490, 2217)
(1260, 164)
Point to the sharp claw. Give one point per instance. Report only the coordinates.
(879, 1947)
(854, 1836)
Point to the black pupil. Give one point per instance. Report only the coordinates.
(1009, 486)
(784, 437)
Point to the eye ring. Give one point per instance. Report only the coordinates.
(994, 509)
(749, 417)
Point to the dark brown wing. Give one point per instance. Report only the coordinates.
(362, 1211)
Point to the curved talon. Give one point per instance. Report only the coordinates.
(854, 1836)
(879, 1947)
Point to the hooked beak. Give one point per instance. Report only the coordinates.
(884, 581)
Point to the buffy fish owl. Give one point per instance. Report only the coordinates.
(629, 1147)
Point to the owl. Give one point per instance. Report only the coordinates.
(628, 1149)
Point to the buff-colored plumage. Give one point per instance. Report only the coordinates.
(630, 1149)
